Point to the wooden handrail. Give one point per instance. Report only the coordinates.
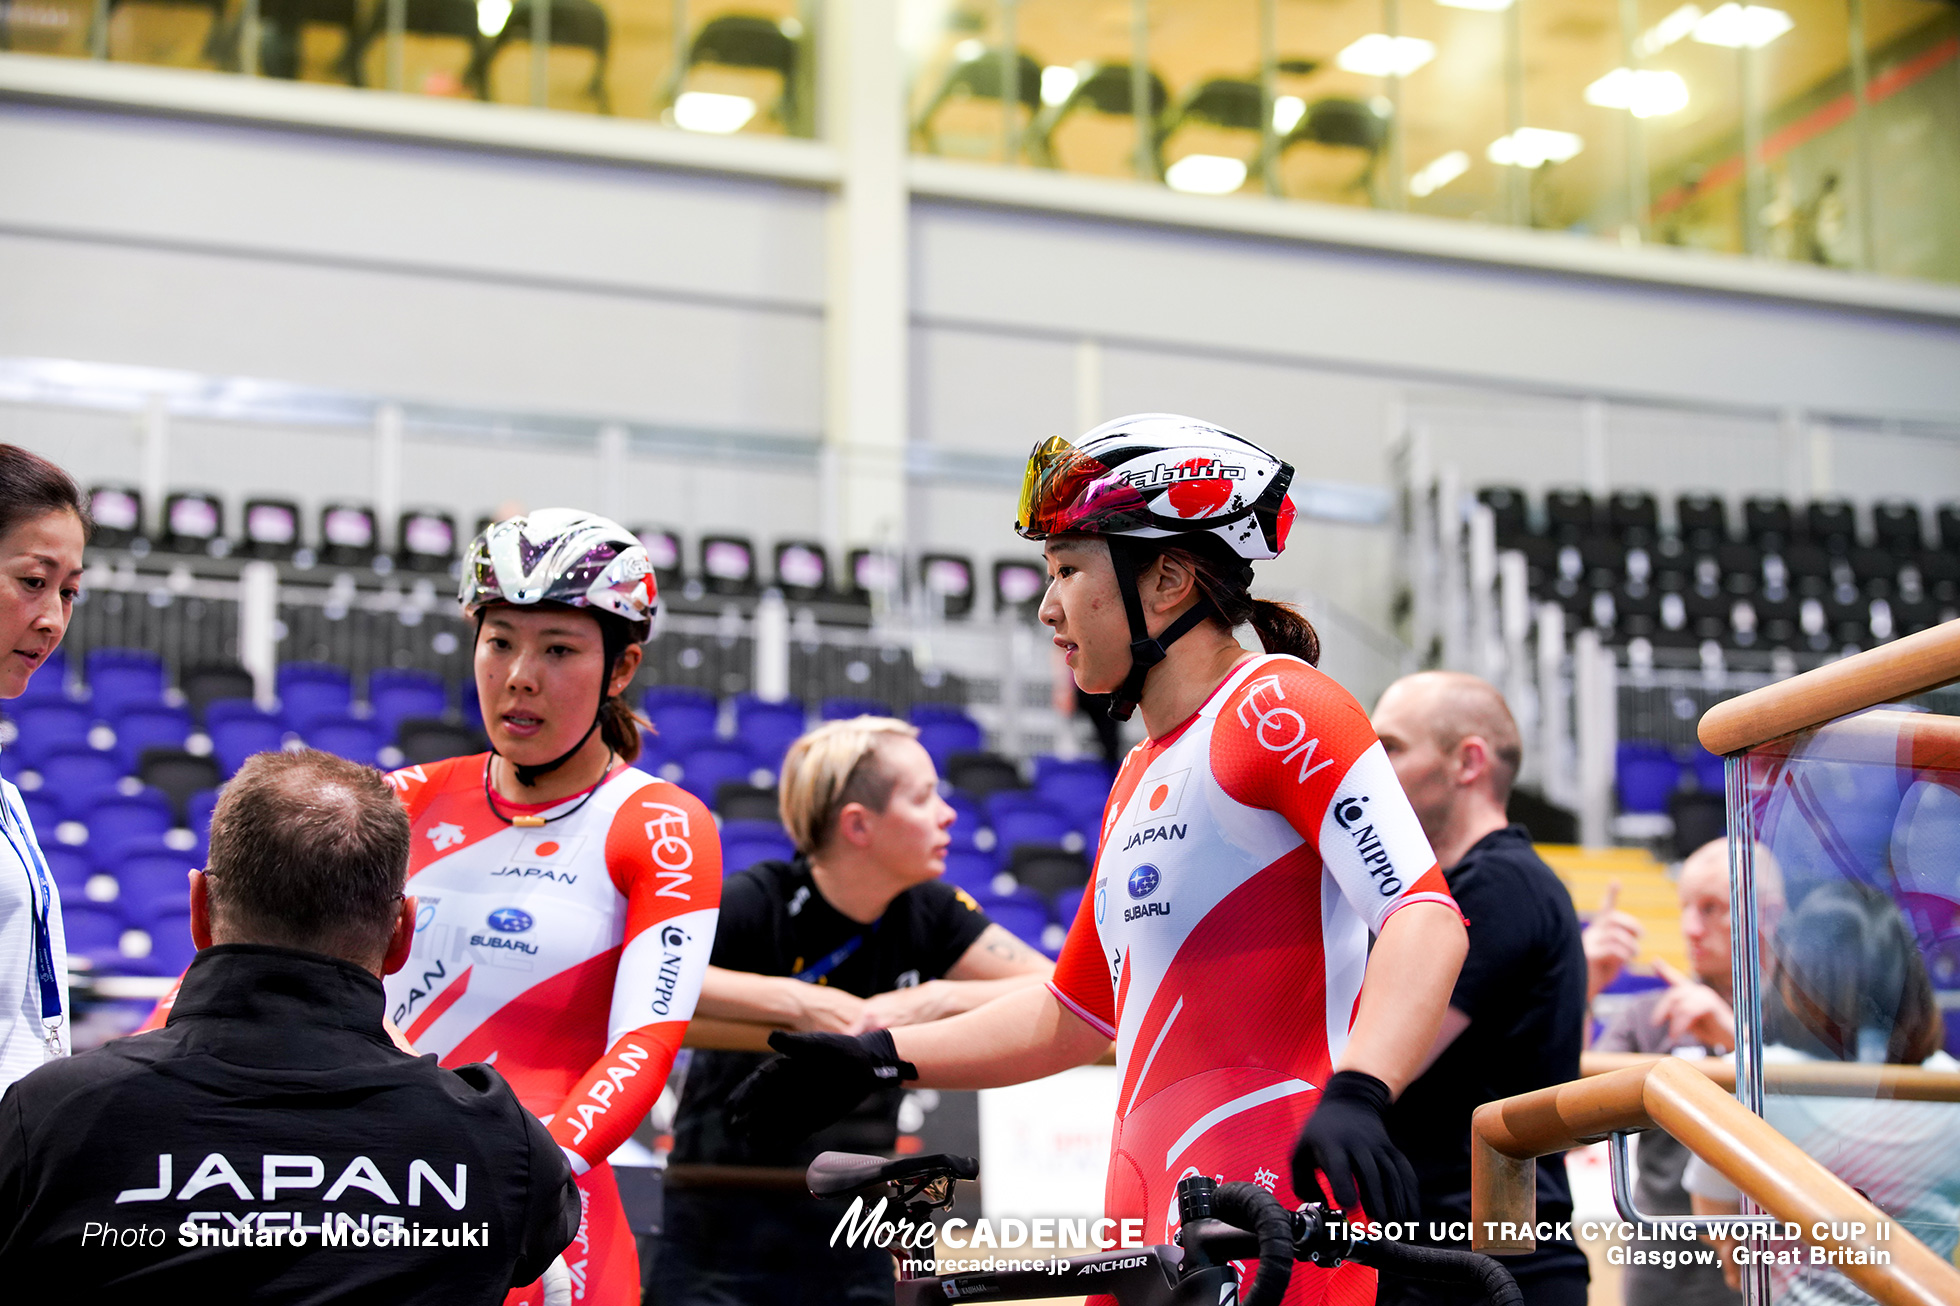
(1803, 1079)
(746, 1036)
(1904, 667)
(1668, 1093)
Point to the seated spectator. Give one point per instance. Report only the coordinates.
(270, 1143)
(1692, 1015)
(1850, 985)
(1515, 1015)
(855, 934)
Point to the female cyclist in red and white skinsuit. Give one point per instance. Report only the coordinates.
(566, 900)
(1251, 846)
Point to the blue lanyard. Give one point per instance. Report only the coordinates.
(38, 876)
(812, 973)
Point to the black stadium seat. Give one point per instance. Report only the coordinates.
(739, 801)
(1570, 512)
(1895, 525)
(431, 739)
(1703, 519)
(1947, 518)
(1633, 515)
(1507, 505)
(982, 774)
(1831, 523)
(1767, 521)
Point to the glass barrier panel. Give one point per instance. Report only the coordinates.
(1857, 873)
(1580, 102)
(1089, 89)
(1332, 108)
(56, 27)
(1212, 139)
(1693, 154)
(1912, 88)
(1809, 134)
(172, 33)
(1454, 109)
(743, 66)
(976, 88)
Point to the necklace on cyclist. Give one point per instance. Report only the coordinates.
(530, 822)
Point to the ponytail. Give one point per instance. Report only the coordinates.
(1226, 579)
(1283, 628)
(620, 727)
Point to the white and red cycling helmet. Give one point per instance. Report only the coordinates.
(1148, 480)
(561, 557)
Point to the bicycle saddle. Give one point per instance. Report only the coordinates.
(838, 1174)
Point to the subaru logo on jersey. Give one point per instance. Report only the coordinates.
(1157, 800)
(509, 920)
(1144, 881)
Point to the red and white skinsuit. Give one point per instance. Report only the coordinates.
(567, 955)
(1246, 858)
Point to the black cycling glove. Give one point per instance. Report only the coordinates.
(817, 1081)
(1346, 1139)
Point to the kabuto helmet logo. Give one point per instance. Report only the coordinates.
(1348, 811)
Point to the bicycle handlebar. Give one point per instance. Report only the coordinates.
(1246, 1207)
(1470, 1270)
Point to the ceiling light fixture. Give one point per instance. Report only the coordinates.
(1533, 147)
(1205, 174)
(706, 111)
(1438, 173)
(1677, 26)
(1381, 55)
(1058, 82)
(1736, 26)
(1643, 92)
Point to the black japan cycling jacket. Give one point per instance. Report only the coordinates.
(185, 1164)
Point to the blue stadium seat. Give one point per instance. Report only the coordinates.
(154, 725)
(1645, 775)
(70, 868)
(171, 948)
(1068, 903)
(1082, 793)
(943, 736)
(197, 813)
(1022, 914)
(468, 706)
(768, 729)
(153, 879)
(237, 738)
(49, 683)
(972, 871)
(75, 776)
(120, 678)
(709, 766)
(114, 818)
(357, 739)
(91, 932)
(1031, 826)
(843, 709)
(1047, 766)
(395, 696)
(43, 813)
(235, 709)
(309, 691)
(924, 712)
(740, 854)
(44, 727)
(1708, 770)
(683, 718)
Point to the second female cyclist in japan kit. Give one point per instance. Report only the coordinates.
(1251, 847)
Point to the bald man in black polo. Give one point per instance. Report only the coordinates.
(1516, 1017)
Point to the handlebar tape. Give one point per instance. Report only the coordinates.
(1249, 1206)
(1442, 1265)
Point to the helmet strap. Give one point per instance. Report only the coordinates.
(1146, 650)
(528, 776)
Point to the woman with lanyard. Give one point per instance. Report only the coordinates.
(44, 525)
(1252, 846)
(857, 932)
(568, 899)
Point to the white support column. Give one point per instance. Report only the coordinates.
(1417, 489)
(866, 363)
(258, 628)
(771, 635)
(612, 472)
(1514, 623)
(1088, 385)
(156, 462)
(387, 475)
(1823, 479)
(1595, 711)
(1450, 582)
(1593, 448)
(1794, 436)
(1554, 708)
(1486, 652)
